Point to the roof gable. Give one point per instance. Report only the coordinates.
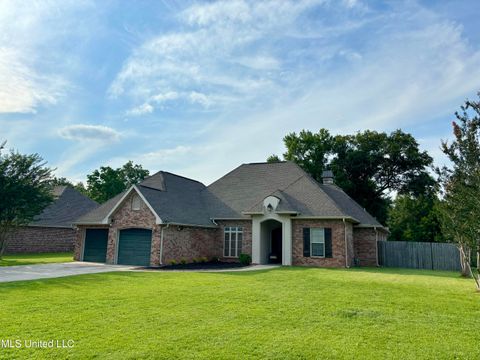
(179, 200)
(67, 206)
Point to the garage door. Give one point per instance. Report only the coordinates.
(134, 247)
(95, 245)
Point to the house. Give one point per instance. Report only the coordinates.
(274, 212)
(52, 230)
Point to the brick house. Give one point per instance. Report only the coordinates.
(52, 230)
(274, 212)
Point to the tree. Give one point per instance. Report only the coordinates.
(60, 181)
(105, 183)
(25, 190)
(414, 218)
(368, 165)
(273, 159)
(461, 185)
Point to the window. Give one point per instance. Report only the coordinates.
(233, 241)
(317, 242)
(136, 202)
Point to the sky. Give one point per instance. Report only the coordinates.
(198, 88)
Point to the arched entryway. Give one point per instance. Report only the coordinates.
(271, 242)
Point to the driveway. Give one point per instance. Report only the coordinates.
(44, 271)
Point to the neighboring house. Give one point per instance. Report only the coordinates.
(53, 229)
(275, 212)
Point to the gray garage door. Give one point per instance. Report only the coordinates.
(95, 248)
(134, 247)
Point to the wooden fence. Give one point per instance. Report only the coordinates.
(418, 255)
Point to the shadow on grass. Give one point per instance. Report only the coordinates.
(407, 272)
(369, 270)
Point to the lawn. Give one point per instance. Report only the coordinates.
(30, 259)
(288, 313)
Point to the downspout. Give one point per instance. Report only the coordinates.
(346, 243)
(161, 244)
(376, 245)
(213, 221)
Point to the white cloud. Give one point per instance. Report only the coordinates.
(160, 98)
(21, 88)
(199, 98)
(89, 132)
(141, 110)
(162, 159)
(26, 82)
(217, 56)
(272, 68)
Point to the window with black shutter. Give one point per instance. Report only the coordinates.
(317, 242)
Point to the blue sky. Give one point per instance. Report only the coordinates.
(197, 88)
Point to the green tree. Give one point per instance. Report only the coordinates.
(60, 181)
(25, 190)
(105, 183)
(368, 165)
(414, 218)
(461, 184)
(273, 159)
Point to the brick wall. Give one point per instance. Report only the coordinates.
(365, 244)
(338, 243)
(32, 239)
(178, 243)
(188, 243)
(246, 242)
(80, 237)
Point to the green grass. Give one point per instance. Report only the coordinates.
(30, 259)
(288, 313)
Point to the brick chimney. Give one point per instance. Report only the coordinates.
(327, 177)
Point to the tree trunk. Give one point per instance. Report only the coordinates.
(478, 259)
(466, 268)
(465, 261)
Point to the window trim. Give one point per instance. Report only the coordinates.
(311, 242)
(238, 230)
(135, 198)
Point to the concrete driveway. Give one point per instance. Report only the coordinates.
(44, 271)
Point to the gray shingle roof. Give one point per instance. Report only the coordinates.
(98, 214)
(180, 200)
(68, 205)
(286, 180)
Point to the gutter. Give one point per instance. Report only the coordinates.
(346, 243)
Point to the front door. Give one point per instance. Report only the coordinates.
(276, 246)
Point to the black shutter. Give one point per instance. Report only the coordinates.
(328, 242)
(306, 242)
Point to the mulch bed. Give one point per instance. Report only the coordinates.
(218, 265)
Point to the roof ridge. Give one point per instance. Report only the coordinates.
(267, 162)
(316, 183)
(353, 200)
(280, 190)
(228, 173)
(183, 177)
(162, 172)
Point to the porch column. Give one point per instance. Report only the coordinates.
(287, 242)
(255, 240)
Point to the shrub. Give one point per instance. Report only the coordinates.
(245, 259)
(183, 261)
(203, 260)
(214, 259)
(173, 262)
(195, 260)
